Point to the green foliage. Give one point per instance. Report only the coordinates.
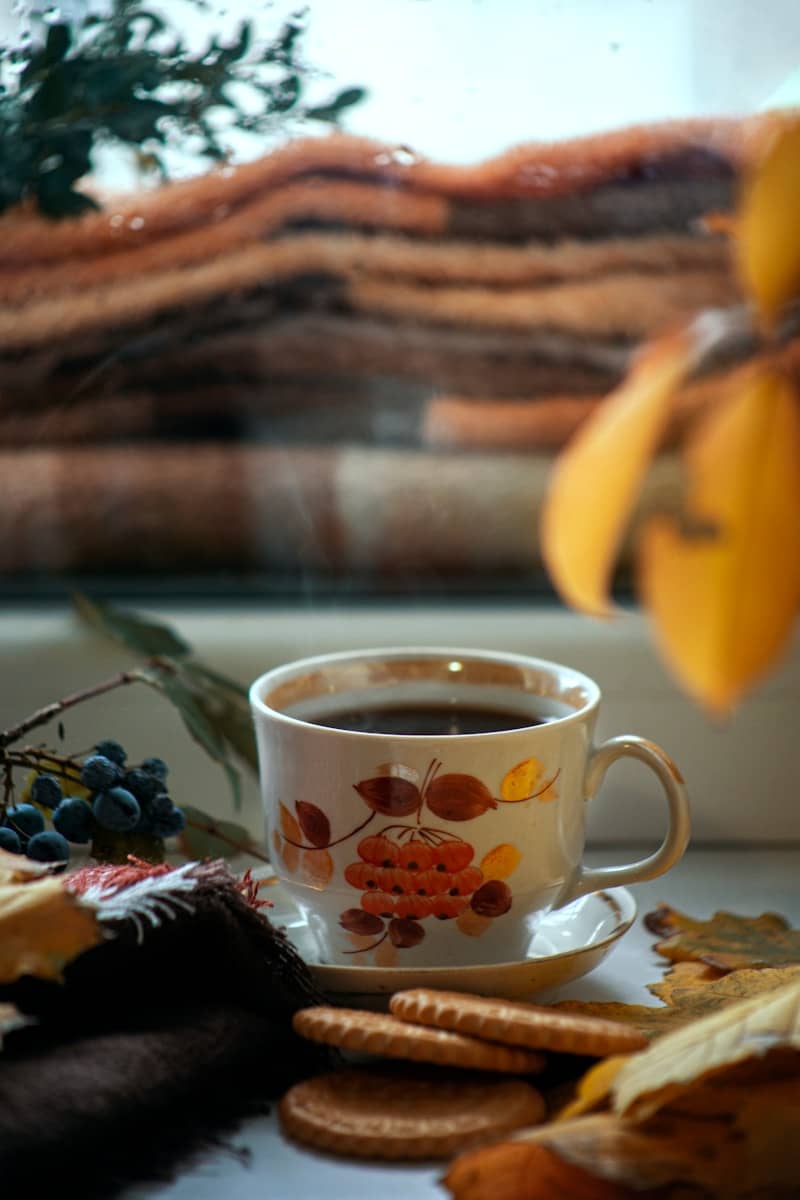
(205, 837)
(214, 709)
(129, 78)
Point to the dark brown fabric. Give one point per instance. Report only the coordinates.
(151, 1050)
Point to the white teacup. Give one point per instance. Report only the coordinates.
(439, 847)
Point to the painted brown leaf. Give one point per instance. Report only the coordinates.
(727, 941)
(458, 797)
(492, 900)
(389, 794)
(355, 920)
(405, 933)
(314, 824)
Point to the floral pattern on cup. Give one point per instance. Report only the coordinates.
(408, 873)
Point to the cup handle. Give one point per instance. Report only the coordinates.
(676, 838)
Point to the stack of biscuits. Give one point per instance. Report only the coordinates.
(479, 1056)
(341, 357)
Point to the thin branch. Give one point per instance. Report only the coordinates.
(211, 828)
(43, 716)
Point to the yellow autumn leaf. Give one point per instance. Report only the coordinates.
(596, 481)
(594, 1088)
(16, 868)
(724, 595)
(706, 1048)
(42, 928)
(520, 782)
(501, 861)
(768, 226)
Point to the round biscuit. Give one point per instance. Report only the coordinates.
(390, 1037)
(514, 1023)
(382, 1114)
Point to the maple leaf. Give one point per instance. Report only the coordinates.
(726, 941)
(688, 1003)
(683, 1113)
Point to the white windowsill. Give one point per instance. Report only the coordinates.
(742, 776)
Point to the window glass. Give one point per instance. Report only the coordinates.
(299, 302)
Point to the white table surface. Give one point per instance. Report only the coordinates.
(747, 882)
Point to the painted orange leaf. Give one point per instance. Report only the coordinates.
(42, 928)
(501, 861)
(520, 782)
(596, 482)
(768, 227)
(473, 925)
(724, 593)
(316, 868)
(289, 826)
(285, 852)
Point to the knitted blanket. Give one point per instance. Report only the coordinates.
(159, 1040)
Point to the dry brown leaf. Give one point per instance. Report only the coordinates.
(596, 481)
(726, 941)
(729, 1141)
(684, 975)
(732, 1142)
(677, 1148)
(747, 1030)
(523, 1170)
(688, 1002)
(42, 928)
(768, 226)
(723, 588)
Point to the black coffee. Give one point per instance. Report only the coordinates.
(432, 720)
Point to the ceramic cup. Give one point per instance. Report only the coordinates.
(422, 850)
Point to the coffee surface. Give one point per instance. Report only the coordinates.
(431, 720)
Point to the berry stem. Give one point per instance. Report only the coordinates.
(43, 716)
(366, 949)
(433, 767)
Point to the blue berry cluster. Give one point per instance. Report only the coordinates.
(121, 800)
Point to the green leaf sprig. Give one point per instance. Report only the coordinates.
(127, 77)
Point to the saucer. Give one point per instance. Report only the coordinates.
(568, 943)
